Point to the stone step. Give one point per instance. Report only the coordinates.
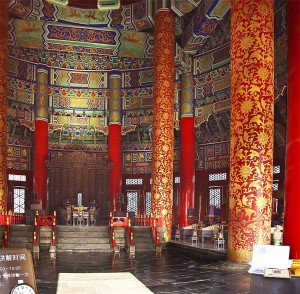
(82, 234)
(137, 235)
(21, 245)
(24, 233)
(45, 234)
(77, 229)
(75, 240)
(141, 230)
(144, 247)
(21, 236)
(21, 228)
(44, 242)
(83, 238)
(142, 238)
(20, 239)
(83, 247)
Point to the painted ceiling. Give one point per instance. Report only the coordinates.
(81, 44)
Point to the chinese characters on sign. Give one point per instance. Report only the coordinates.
(16, 269)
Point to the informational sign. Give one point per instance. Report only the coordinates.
(269, 256)
(17, 272)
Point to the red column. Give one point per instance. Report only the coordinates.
(115, 139)
(3, 101)
(187, 152)
(163, 119)
(40, 173)
(115, 157)
(252, 126)
(292, 173)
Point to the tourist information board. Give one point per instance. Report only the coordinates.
(17, 272)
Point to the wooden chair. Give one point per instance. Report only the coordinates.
(92, 216)
(177, 235)
(68, 218)
(219, 244)
(194, 238)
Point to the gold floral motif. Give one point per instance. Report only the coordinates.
(263, 73)
(263, 9)
(252, 131)
(245, 171)
(188, 96)
(246, 43)
(263, 138)
(165, 180)
(166, 116)
(186, 108)
(261, 202)
(165, 148)
(163, 137)
(156, 196)
(247, 106)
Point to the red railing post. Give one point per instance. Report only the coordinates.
(8, 223)
(113, 241)
(155, 236)
(35, 228)
(5, 239)
(54, 229)
(129, 229)
(111, 227)
(131, 239)
(157, 240)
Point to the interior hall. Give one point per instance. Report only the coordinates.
(140, 136)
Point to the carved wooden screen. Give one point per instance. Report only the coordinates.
(74, 173)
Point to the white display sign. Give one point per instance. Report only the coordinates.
(269, 256)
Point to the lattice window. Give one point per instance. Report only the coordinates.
(19, 200)
(131, 182)
(177, 180)
(148, 203)
(275, 186)
(215, 200)
(276, 169)
(132, 202)
(217, 177)
(19, 178)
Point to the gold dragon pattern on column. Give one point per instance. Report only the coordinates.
(252, 120)
(3, 108)
(163, 119)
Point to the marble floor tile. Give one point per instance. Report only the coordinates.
(165, 273)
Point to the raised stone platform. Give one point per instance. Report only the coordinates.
(202, 252)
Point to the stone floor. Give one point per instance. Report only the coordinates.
(167, 272)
